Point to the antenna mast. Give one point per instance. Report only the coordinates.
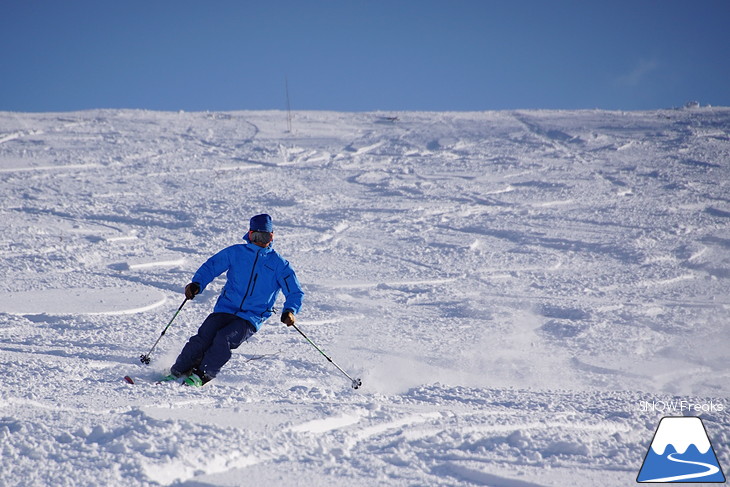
(288, 105)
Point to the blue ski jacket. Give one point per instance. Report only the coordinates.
(254, 277)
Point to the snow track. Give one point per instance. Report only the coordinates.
(510, 286)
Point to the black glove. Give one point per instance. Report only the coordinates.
(191, 290)
(287, 317)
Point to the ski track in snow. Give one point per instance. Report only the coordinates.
(508, 285)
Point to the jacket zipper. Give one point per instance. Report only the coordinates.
(251, 279)
(253, 285)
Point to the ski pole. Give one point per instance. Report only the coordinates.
(355, 382)
(145, 359)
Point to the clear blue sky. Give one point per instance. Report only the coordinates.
(361, 55)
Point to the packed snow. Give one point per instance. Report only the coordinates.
(524, 294)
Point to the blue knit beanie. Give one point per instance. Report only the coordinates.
(261, 223)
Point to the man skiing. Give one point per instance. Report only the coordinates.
(255, 273)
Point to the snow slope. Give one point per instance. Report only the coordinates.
(512, 287)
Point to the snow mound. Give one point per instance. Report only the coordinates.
(87, 301)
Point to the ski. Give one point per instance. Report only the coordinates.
(162, 380)
(186, 380)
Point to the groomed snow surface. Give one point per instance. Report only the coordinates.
(511, 287)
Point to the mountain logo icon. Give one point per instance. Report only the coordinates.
(680, 452)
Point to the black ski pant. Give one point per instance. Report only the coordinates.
(211, 347)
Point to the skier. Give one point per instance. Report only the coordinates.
(255, 275)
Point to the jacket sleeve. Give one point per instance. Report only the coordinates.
(212, 268)
(291, 288)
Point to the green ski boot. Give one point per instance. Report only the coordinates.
(168, 378)
(193, 380)
(197, 379)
